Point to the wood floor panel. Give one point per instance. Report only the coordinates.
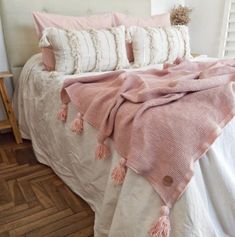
(37, 215)
(55, 196)
(20, 215)
(42, 221)
(6, 206)
(68, 230)
(14, 210)
(86, 232)
(34, 202)
(15, 192)
(36, 175)
(5, 234)
(49, 228)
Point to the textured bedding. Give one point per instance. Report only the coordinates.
(206, 209)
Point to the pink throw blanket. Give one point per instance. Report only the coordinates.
(161, 121)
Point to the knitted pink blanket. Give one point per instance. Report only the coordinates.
(161, 121)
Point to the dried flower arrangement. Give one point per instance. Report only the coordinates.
(180, 15)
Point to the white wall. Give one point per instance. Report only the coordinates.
(161, 6)
(205, 28)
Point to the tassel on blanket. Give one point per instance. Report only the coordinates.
(44, 42)
(102, 152)
(176, 62)
(77, 124)
(119, 173)
(161, 228)
(62, 114)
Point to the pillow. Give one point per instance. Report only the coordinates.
(152, 21)
(44, 20)
(159, 45)
(87, 50)
(162, 20)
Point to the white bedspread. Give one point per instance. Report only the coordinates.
(206, 209)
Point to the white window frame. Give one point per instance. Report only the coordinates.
(225, 27)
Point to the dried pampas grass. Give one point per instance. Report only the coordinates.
(180, 15)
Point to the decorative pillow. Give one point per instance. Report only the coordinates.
(87, 50)
(162, 20)
(159, 45)
(45, 20)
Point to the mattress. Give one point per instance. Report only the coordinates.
(206, 209)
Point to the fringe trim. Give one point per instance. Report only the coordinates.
(96, 44)
(75, 51)
(129, 34)
(186, 38)
(44, 42)
(77, 124)
(119, 36)
(119, 173)
(102, 152)
(161, 227)
(63, 113)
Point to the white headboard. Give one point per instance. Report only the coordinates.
(19, 34)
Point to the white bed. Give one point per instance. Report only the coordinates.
(206, 209)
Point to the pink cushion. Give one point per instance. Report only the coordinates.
(153, 21)
(44, 20)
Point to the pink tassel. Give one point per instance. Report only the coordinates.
(62, 114)
(102, 152)
(77, 124)
(119, 173)
(161, 228)
(178, 61)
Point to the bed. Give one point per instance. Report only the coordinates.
(206, 209)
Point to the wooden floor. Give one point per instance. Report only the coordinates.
(34, 202)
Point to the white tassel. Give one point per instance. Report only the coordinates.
(44, 42)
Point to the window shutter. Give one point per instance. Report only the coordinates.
(227, 47)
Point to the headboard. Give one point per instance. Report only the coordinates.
(19, 34)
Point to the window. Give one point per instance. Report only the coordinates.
(227, 47)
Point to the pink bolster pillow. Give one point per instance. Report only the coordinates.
(44, 20)
(162, 20)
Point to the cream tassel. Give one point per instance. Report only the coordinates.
(44, 42)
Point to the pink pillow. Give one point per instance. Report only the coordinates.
(44, 20)
(153, 21)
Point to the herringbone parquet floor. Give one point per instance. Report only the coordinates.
(34, 202)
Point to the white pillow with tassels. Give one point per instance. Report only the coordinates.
(87, 50)
(159, 45)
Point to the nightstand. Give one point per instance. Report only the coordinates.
(11, 119)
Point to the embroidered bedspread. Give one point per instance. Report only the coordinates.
(161, 121)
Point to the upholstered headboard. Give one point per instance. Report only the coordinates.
(19, 34)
